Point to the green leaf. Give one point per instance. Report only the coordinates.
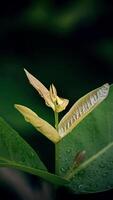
(94, 135)
(14, 149)
(82, 108)
(16, 153)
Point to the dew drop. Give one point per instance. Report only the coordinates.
(68, 150)
(62, 169)
(109, 187)
(80, 186)
(101, 165)
(110, 166)
(105, 174)
(96, 171)
(111, 162)
(96, 185)
(66, 159)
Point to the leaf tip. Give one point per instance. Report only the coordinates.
(19, 107)
(27, 73)
(16, 106)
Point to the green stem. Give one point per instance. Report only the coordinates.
(56, 120)
(56, 148)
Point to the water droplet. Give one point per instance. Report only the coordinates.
(101, 165)
(96, 171)
(68, 150)
(109, 166)
(80, 186)
(111, 162)
(105, 174)
(96, 185)
(62, 169)
(109, 187)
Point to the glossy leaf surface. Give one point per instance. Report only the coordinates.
(94, 136)
(16, 153)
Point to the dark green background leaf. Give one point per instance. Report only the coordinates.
(94, 135)
(14, 149)
(16, 153)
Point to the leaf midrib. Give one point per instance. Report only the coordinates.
(88, 161)
(39, 172)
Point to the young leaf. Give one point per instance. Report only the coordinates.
(81, 109)
(50, 96)
(94, 135)
(16, 153)
(41, 125)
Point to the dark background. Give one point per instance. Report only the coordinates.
(68, 43)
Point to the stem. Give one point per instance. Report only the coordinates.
(56, 148)
(56, 120)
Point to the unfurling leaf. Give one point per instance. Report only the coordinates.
(81, 109)
(51, 99)
(76, 114)
(60, 103)
(41, 125)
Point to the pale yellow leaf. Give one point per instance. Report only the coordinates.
(81, 109)
(42, 90)
(41, 125)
